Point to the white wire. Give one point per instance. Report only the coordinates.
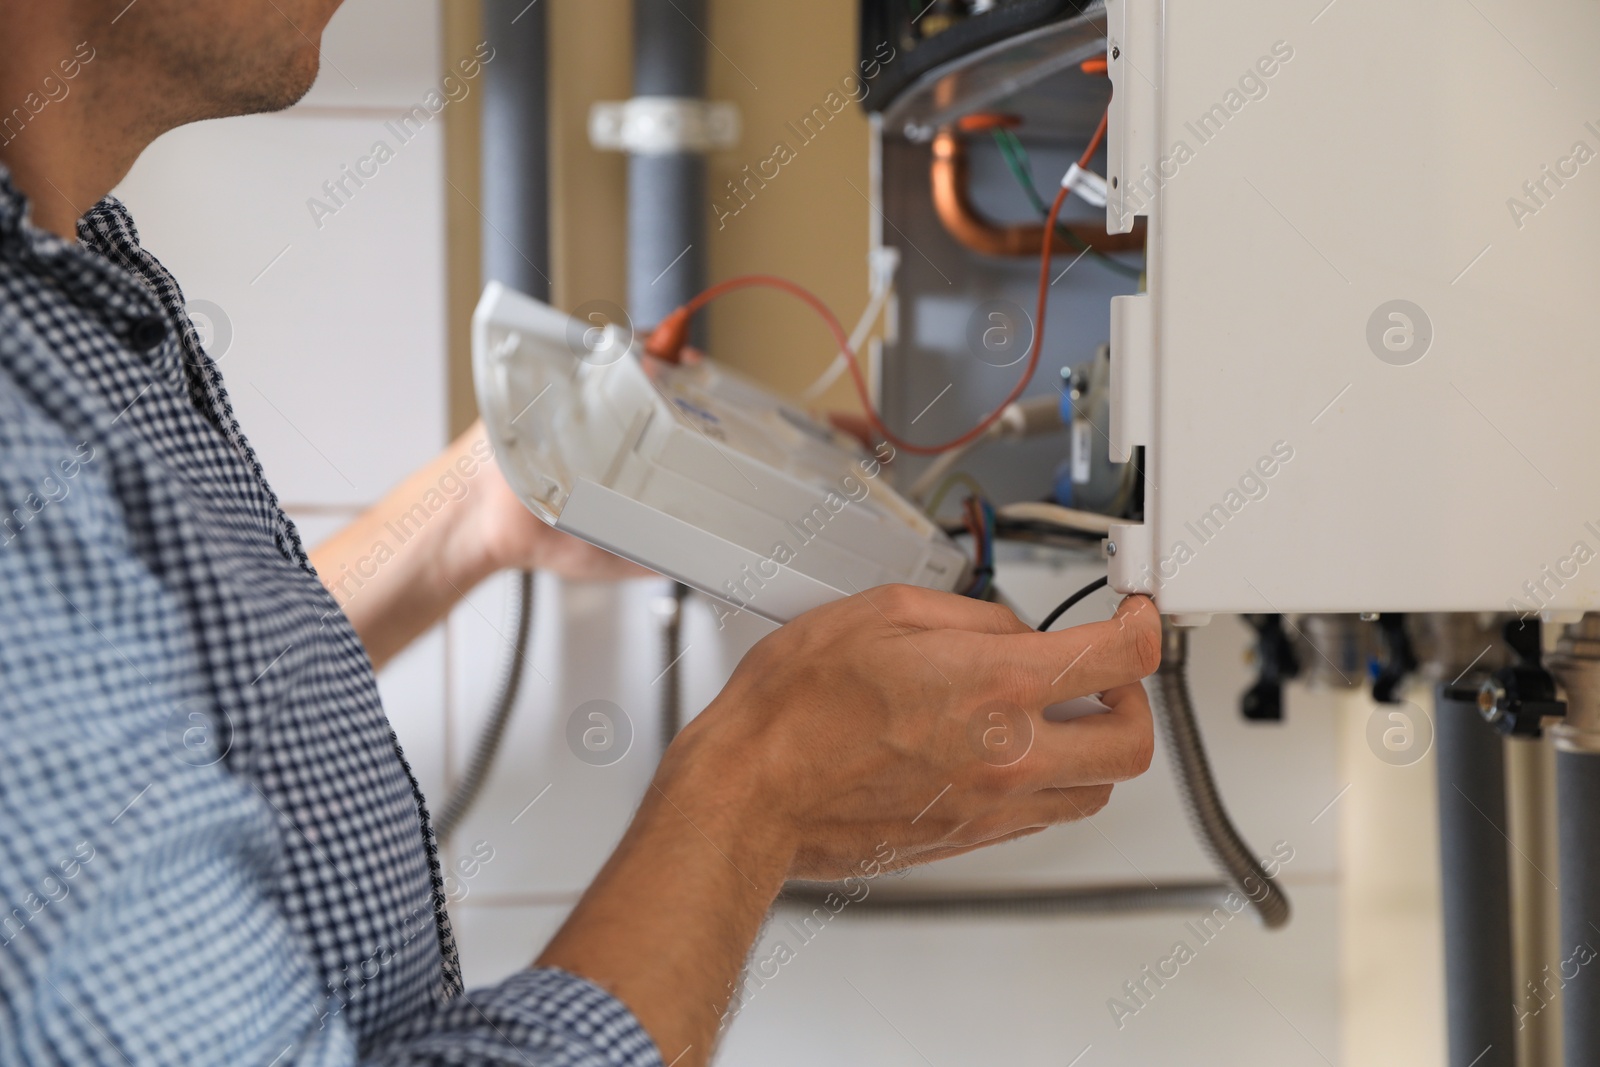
(1073, 519)
(858, 337)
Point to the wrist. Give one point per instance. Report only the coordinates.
(469, 553)
(721, 790)
(473, 541)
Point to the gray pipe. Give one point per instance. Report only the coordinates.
(516, 156)
(1578, 801)
(1207, 814)
(516, 252)
(666, 193)
(1473, 828)
(1576, 662)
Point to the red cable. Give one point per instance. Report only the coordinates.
(1094, 142)
(666, 341)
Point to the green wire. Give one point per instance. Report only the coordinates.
(1016, 157)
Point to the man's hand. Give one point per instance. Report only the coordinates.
(517, 539)
(399, 567)
(898, 716)
(915, 718)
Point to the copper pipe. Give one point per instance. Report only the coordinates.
(966, 224)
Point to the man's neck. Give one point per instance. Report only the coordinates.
(63, 136)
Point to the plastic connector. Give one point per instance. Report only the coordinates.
(1087, 184)
(1030, 417)
(666, 342)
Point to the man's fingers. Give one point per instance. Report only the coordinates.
(1096, 750)
(1027, 815)
(944, 852)
(1070, 805)
(1038, 810)
(1042, 669)
(910, 608)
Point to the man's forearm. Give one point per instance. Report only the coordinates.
(667, 924)
(399, 567)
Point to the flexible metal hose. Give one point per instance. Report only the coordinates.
(670, 609)
(1013, 903)
(1207, 815)
(487, 748)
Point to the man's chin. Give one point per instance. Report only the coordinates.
(284, 90)
(299, 81)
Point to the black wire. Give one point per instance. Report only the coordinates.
(1071, 601)
(1031, 530)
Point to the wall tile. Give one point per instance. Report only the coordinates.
(332, 335)
(915, 992)
(378, 53)
(414, 697)
(498, 940)
(552, 816)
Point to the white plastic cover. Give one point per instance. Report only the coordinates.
(690, 469)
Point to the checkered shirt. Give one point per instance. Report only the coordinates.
(212, 850)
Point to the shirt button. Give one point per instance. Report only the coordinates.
(147, 334)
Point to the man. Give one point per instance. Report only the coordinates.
(211, 849)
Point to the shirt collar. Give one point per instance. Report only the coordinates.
(106, 272)
(104, 227)
(17, 231)
(13, 205)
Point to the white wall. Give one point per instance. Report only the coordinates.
(337, 367)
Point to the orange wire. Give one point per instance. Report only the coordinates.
(674, 328)
(1094, 142)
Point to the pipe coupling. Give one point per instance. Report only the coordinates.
(1576, 664)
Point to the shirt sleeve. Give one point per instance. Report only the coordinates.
(138, 922)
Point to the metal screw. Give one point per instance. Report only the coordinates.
(1115, 51)
(1111, 548)
(1491, 701)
